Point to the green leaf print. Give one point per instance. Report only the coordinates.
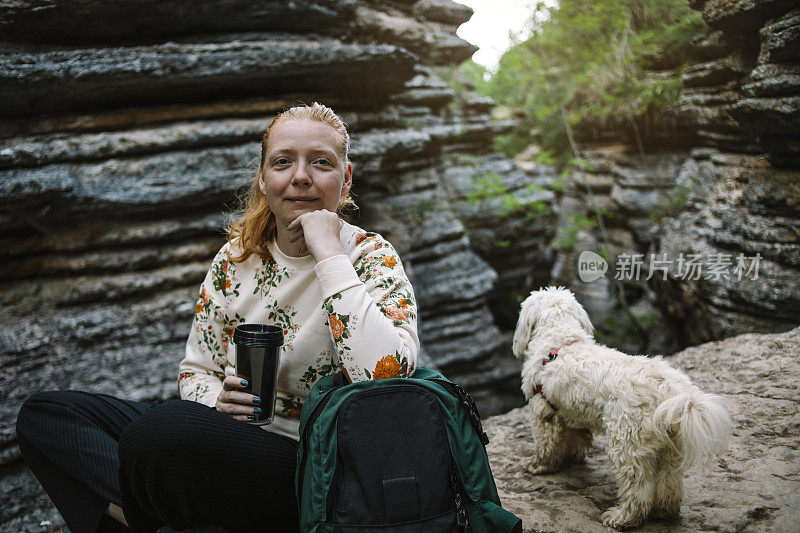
(229, 327)
(221, 274)
(205, 312)
(282, 316)
(313, 374)
(269, 275)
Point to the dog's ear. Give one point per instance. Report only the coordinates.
(581, 315)
(528, 313)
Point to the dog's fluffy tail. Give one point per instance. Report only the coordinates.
(698, 423)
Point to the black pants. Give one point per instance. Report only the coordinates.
(178, 463)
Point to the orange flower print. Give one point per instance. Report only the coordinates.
(202, 302)
(227, 283)
(361, 238)
(225, 267)
(378, 246)
(395, 313)
(337, 328)
(291, 406)
(404, 303)
(389, 261)
(388, 367)
(226, 337)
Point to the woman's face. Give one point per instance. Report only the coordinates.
(303, 170)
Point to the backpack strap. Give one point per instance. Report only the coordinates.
(469, 404)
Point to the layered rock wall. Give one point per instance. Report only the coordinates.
(127, 128)
(723, 192)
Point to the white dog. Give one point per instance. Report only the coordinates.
(657, 422)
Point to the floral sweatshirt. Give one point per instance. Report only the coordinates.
(353, 312)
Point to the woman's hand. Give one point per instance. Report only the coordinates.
(233, 401)
(318, 233)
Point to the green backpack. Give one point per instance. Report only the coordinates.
(395, 455)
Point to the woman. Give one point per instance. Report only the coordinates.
(344, 303)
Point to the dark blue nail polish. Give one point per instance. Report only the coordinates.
(257, 411)
(251, 417)
(256, 400)
(244, 383)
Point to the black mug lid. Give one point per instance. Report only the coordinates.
(260, 334)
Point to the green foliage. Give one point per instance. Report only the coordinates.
(672, 204)
(463, 79)
(511, 203)
(618, 331)
(628, 331)
(557, 185)
(594, 60)
(536, 209)
(515, 142)
(475, 74)
(567, 233)
(487, 187)
(490, 187)
(416, 212)
(547, 157)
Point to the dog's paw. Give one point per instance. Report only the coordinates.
(619, 519)
(539, 468)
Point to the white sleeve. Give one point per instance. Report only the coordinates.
(371, 311)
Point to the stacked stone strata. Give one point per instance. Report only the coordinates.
(127, 128)
(726, 183)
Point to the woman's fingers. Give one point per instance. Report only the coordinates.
(244, 398)
(233, 383)
(238, 409)
(297, 236)
(296, 224)
(235, 402)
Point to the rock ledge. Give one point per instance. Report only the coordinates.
(753, 487)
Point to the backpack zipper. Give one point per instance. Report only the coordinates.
(461, 510)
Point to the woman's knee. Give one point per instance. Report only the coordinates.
(34, 411)
(168, 430)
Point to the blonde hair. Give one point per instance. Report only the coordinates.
(256, 226)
